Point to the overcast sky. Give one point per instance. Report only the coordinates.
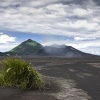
(71, 22)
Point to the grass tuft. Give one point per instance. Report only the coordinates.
(17, 72)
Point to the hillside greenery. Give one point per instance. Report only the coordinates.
(26, 48)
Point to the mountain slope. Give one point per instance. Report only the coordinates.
(62, 50)
(26, 48)
(32, 48)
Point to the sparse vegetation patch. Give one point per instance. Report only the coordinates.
(17, 72)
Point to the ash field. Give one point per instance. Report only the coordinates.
(67, 79)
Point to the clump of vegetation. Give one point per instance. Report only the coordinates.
(17, 72)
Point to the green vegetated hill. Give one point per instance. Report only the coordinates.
(26, 48)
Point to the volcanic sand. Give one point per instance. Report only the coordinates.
(66, 79)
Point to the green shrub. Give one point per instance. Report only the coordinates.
(17, 72)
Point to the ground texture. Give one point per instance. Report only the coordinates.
(67, 79)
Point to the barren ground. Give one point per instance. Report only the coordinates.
(68, 79)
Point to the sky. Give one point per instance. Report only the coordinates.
(71, 22)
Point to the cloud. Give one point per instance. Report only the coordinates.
(48, 43)
(50, 17)
(1, 33)
(6, 39)
(92, 50)
(70, 18)
(7, 46)
(80, 12)
(85, 44)
(7, 42)
(88, 45)
(97, 2)
(83, 38)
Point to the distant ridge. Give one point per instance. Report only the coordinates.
(62, 51)
(33, 48)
